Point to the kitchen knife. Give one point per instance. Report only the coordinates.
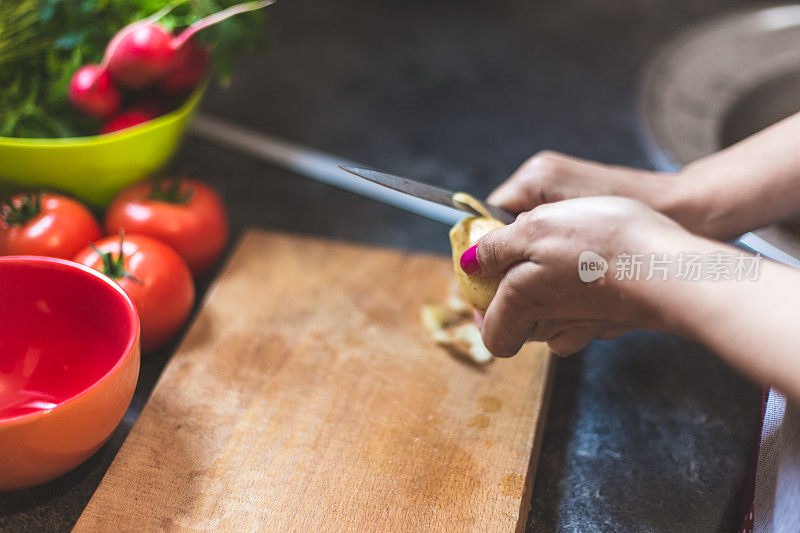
(323, 167)
(315, 165)
(427, 192)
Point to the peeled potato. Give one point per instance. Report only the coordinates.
(478, 291)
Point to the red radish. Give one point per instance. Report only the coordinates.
(127, 119)
(92, 91)
(142, 55)
(187, 71)
(143, 52)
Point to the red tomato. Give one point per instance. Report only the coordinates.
(45, 224)
(186, 214)
(155, 277)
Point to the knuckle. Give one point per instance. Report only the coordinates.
(564, 346)
(542, 309)
(510, 292)
(546, 163)
(488, 253)
(549, 249)
(544, 331)
(493, 341)
(529, 220)
(573, 341)
(500, 346)
(521, 290)
(556, 347)
(505, 354)
(537, 222)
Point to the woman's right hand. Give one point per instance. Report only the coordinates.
(551, 177)
(746, 186)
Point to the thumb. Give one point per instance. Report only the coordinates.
(533, 182)
(513, 196)
(495, 252)
(517, 194)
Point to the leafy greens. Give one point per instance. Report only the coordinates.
(43, 43)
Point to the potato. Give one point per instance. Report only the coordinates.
(478, 291)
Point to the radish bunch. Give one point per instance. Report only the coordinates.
(144, 56)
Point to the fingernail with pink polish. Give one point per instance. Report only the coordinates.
(469, 260)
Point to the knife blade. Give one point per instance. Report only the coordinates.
(315, 165)
(426, 192)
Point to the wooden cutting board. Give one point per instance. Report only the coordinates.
(308, 397)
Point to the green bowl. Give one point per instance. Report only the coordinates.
(95, 168)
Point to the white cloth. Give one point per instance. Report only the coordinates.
(776, 508)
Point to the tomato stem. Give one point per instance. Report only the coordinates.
(23, 209)
(114, 268)
(172, 191)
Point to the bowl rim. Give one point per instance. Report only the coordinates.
(176, 114)
(130, 346)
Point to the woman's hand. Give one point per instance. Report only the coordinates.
(541, 296)
(751, 322)
(551, 177)
(749, 185)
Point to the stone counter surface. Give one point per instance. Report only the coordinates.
(646, 432)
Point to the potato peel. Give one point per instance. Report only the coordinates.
(451, 326)
(471, 202)
(469, 334)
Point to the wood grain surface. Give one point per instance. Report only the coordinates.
(308, 397)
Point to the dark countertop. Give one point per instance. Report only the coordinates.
(645, 433)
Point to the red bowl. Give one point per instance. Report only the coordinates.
(69, 362)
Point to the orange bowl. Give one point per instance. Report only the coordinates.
(69, 362)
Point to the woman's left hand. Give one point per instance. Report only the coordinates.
(541, 295)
